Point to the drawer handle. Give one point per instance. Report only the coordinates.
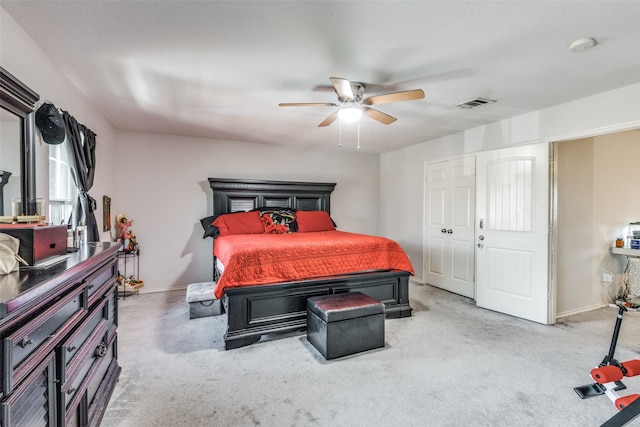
(25, 342)
(71, 391)
(72, 348)
(101, 350)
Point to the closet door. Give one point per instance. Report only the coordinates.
(449, 249)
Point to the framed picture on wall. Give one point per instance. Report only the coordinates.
(106, 213)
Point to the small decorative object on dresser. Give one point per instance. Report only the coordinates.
(40, 242)
(9, 258)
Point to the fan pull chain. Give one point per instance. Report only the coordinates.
(358, 134)
(340, 141)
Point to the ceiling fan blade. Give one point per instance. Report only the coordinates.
(343, 87)
(332, 118)
(383, 118)
(395, 97)
(306, 104)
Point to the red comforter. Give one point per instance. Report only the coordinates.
(256, 259)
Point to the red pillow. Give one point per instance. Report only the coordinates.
(239, 223)
(314, 221)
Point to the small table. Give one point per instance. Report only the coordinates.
(126, 286)
(632, 270)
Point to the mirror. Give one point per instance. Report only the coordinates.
(17, 145)
(9, 160)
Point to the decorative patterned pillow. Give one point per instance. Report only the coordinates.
(278, 220)
(309, 221)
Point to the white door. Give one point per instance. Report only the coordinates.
(512, 233)
(449, 225)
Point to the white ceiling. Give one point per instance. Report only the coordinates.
(218, 69)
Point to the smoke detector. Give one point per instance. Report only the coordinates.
(582, 44)
(474, 102)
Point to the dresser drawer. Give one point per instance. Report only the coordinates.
(112, 306)
(101, 368)
(97, 281)
(97, 356)
(82, 363)
(73, 344)
(98, 404)
(25, 347)
(30, 405)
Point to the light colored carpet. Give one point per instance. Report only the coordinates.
(450, 364)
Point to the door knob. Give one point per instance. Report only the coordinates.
(444, 230)
(450, 231)
(101, 350)
(481, 237)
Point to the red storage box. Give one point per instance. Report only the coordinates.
(39, 243)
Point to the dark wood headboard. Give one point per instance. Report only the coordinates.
(235, 195)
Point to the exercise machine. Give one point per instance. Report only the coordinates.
(608, 378)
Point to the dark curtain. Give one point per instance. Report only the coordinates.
(82, 161)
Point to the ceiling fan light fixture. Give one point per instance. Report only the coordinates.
(349, 114)
(352, 104)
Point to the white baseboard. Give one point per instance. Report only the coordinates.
(150, 291)
(580, 310)
(415, 281)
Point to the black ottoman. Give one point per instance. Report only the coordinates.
(343, 324)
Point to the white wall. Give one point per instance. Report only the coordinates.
(401, 171)
(597, 199)
(20, 56)
(162, 186)
(161, 181)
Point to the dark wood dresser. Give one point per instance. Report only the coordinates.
(58, 340)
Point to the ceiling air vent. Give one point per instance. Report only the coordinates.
(475, 102)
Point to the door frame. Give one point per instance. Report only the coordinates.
(553, 198)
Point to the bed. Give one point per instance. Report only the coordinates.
(259, 307)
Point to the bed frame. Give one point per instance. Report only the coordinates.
(254, 311)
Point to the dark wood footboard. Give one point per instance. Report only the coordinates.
(259, 310)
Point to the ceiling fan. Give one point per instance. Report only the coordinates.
(352, 104)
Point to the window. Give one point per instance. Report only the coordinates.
(62, 191)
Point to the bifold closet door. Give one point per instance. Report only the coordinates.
(449, 225)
